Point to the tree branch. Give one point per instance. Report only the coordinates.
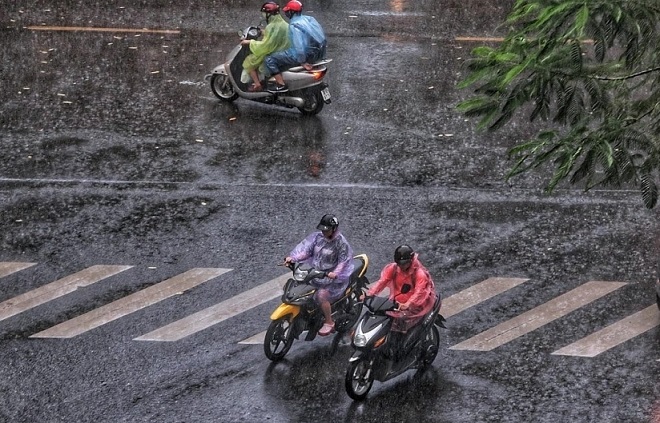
(621, 78)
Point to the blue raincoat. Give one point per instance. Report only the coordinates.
(307, 45)
(307, 38)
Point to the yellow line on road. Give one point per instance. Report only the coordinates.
(480, 39)
(93, 29)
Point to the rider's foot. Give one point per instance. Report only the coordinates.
(277, 88)
(327, 329)
(255, 88)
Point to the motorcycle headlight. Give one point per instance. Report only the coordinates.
(360, 341)
(299, 274)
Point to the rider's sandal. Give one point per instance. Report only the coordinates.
(327, 329)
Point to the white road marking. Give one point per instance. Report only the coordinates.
(57, 289)
(257, 339)
(131, 303)
(537, 317)
(477, 294)
(613, 335)
(9, 267)
(219, 312)
(451, 305)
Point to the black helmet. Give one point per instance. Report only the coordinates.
(403, 255)
(328, 222)
(270, 8)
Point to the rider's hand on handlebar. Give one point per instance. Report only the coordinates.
(245, 42)
(403, 306)
(332, 275)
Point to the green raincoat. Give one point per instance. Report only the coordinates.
(276, 38)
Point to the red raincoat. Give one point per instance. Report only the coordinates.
(422, 294)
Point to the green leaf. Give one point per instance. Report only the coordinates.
(600, 103)
(649, 191)
(512, 73)
(581, 20)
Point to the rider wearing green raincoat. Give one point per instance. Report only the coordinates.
(276, 38)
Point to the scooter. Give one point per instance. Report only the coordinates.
(299, 312)
(307, 89)
(378, 356)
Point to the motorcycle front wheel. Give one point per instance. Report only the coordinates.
(313, 104)
(359, 379)
(222, 88)
(279, 338)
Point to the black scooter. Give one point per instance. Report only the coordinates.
(381, 354)
(308, 90)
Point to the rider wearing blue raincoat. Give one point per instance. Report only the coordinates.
(326, 250)
(307, 45)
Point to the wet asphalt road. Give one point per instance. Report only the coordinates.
(116, 152)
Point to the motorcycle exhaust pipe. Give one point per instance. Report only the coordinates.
(292, 101)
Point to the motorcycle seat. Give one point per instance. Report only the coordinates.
(318, 64)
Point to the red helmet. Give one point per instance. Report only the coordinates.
(270, 8)
(293, 6)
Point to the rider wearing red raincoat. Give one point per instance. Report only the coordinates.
(410, 285)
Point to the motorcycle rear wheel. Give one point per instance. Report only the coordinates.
(431, 345)
(359, 379)
(279, 338)
(313, 104)
(352, 310)
(222, 88)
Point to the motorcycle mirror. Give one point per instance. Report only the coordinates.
(406, 288)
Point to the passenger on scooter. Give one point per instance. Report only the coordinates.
(410, 285)
(276, 38)
(326, 250)
(308, 45)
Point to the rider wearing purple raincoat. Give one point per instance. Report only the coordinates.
(326, 250)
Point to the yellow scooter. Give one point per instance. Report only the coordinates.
(299, 312)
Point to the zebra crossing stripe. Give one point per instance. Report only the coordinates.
(613, 335)
(257, 339)
(9, 267)
(131, 303)
(477, 294)
(539, 316)
(451, 305)
(57, 289)
(219, 312)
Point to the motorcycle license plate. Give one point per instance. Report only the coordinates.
(325, 92)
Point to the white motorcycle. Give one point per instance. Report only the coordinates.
(308, 91)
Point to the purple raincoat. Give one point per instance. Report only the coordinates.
(331, 255)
